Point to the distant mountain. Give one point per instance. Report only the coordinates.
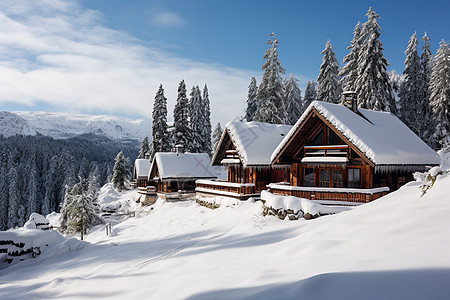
(64, 125)
(12, 124)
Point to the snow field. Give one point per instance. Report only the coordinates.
(397, 247)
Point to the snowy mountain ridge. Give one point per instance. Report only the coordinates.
(66, 125)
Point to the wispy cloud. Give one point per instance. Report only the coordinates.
(59, 54)
(168, 19)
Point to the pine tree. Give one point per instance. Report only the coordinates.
(217, 136)
(372, 86)
(412, 90)
(328, 89)
(206, 136)
(272, 107)
(160, 137)
(426, 59)
(78, 214)
(121, 172)
(196, 114)
(310, 94)
(4, 204)
(293, 97)
(182, 132)
(440, 97)
(252, 100)
(145, 148)
(13, 199)
(349, 71)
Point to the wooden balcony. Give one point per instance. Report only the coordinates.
(148, 190)
(224, 188)
(325, 151)
(330, 194)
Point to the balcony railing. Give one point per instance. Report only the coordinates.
(330, 150)
(224, 188)
(330, 194)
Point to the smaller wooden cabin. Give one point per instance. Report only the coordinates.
(174, 174)
(245, 150)
(140, 172)
(344, 153)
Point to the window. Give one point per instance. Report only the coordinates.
(337, 178)
(354, 178)
(325, 177)
(333, 139)
(317, 140)
(309, 177)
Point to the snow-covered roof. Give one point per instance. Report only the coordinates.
(381, 136)
(183, 165)
(141, 167)
(255, 141)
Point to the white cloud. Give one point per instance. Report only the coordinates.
(58, 54)
(167, 18)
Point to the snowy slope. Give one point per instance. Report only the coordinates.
(397, 247)
(12, 124)
(64, 125)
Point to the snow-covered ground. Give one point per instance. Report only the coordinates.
(397, 247)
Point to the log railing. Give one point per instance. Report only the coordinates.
(231, 189)
(330, 194)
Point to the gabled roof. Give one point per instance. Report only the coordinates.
(380, 136)
(141, 168)
(182, 165)
(253, 141)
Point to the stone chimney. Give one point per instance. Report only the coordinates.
(349, 100)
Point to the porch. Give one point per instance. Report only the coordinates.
(223, 188)
(329, 194)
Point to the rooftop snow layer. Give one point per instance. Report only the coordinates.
(141, 167)
(383, 138)
(256, 141)
(179, 165)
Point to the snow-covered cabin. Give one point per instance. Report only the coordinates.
(172, 172)
(140, 172)
(341, 152)
(245, 149)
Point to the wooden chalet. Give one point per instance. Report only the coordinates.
(245, 150)
(140, 172)
(342, 153)
(174, 174)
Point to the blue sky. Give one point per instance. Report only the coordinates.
(109, 56)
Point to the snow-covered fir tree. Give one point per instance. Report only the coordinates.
(197, 115)
(272, 107)
(372, 86)
(412, 89)
(252, 100)
(426, 59)
(207, 128)
(13, 198)
(160, 138)
(4, 192)
(349, 72)
(182, 132)
(145, 148)
(78, 213)
(440, 97)
(216, 136)
(310, 94)
(329, 89)
(121, 172)
(293, 98)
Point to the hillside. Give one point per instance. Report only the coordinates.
(397, 247)
(64, 125)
